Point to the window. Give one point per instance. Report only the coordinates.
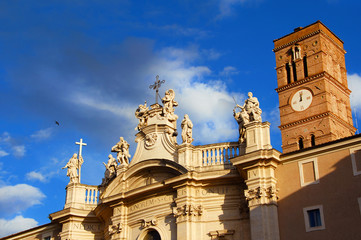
(313, 140)
(308, 170)
(305, 69)
(300, 143)
(47, 238)
(294, 71)
(288, 70)
(356, 161)
(314, 219)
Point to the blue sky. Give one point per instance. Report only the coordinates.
(89, 64)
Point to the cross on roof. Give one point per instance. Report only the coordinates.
(156, 87)
(81, 144)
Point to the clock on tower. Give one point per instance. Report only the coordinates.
(313, 94)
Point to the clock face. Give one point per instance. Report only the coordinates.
(301, 100)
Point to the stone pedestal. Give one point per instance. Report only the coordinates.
(257, 136)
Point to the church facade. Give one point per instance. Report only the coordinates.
(243, 190)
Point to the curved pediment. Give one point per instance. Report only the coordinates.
(142, 175)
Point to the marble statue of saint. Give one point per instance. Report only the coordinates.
(249, 112)
(187, 127)
(73, 165)
(251, 107)
(140, 114)
(169, 104)
(111, 168)
(122, 150)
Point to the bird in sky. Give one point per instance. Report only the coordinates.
(57, 123)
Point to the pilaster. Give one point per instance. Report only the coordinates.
(258, 170)
(188, 212)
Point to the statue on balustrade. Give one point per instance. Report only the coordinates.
(140, 113)
(111, 169)
(249, 112)
(187, 127)
(73, 166)
(122, 150)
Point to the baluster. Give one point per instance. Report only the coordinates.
(226, 152)
(96, 196)
(222, 154)
(213, 156)
(203, 157)
(91, 196)
(217, 156)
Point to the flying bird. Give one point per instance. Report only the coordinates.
(57, 123)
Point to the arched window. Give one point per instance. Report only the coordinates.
(294, 71)
(305, 68)
(313, 140)
(152, 235)
(300, 143)
(288, 70)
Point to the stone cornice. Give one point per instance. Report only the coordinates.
(312, 78)
(343, 122)
(307, 36)
(329, 147)
(296, 40)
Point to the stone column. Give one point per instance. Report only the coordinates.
(257, 167)
(262, 200)
(188, 213)
(117, 228)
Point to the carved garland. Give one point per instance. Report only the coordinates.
(188, 210)
(115, 228)
(261, 195)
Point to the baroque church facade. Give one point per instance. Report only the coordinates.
(243, 190)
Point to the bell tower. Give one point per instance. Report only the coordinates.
(314, 99)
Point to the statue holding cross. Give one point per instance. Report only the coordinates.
(74, 164)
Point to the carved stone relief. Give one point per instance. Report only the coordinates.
(261, 195)
(150, 139)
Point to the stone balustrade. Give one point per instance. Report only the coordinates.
(218, 154)
(91, 194)
(81, 196)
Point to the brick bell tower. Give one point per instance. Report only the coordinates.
(314, 99)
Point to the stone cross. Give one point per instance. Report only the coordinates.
(81, 144)
(156, 87)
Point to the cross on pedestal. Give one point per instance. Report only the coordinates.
(156, 87)
(81, 144)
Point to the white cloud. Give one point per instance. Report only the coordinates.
(33, 175)
(14, 199)
(17, 224)
(354, 83)
(5, 137)
(225, 6)
(42, 134)
(19, 150)
(3, 153)
(228, 71)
